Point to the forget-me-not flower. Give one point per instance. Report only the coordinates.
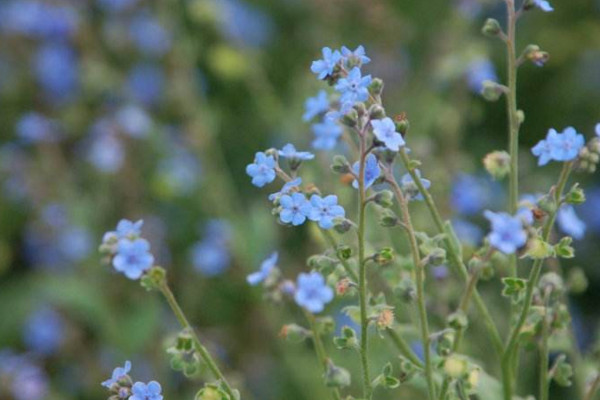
(211, 255)
(262, 170)
(33, 127)
(294, 209)
(556, 146)
(411, 189)
(265, 270)
(117, 374)
(358, 55)
(289, 151)
(353, 87)
(543, 5)
(325, 210)
(150, 37)
(127, 229)
(133, 257)
(316, 105)
(385, 131)
(479, 71)
(143, 391)
(324, 67)
(372, 171)
(286, 189)
(312, 292)
(44, 331)
(569, 222)
(507, 233)
(133, 121)
(326, 134)
(597, 129)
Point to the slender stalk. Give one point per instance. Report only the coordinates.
(320, 349)
(544, 356)
(204, 354)
(351, 273)
(455, 258)
(534, 276)
(511, 104)
(420, 275)
(404, 347)
(593, 388)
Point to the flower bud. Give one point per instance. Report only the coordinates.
(388, 219)
(340, 165)
(322, 263)
(551, 282)
(402, 124)
(455, 367)
(154, 279)
(491, 90)
(444, 342)
(575, 196)
(385, 198)
(458, 320)
(343, 285)
(350, 119)
(294, 333)
(376, 112)
(336, 376)
(384, 256)
(342, 225)
(538, 249)
(376, 87)
(497, 164)
(520, 116)
(385, 319)
(406, 290)
(577, 281)
(491, 28)
(344, 252)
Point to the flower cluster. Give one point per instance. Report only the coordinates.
(122, 387)
(556, 146)
(508, 232)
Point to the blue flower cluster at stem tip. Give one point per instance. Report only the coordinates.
(121, 385)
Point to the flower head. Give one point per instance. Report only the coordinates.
(143, 391)
(325, 210)
(385, 131)
(411, 189)
(312, 293)
(372, 171)
(44, 331)
(286, 189)
(289, 151)
(133, 257)
(569, 222)
(118, 374)
(294, 209)
(324, 67)
(354, 87)
(556, 146)
(326, 134)
(129, 229)
(265, 270)
(357, 56)
(543, 5)
(507, 233)
(316, 105)
(479, 71)
(262, 170)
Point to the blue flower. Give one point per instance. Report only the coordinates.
(507, 233)
(56, 69)
(133, 257)
(145, 83)
(385, 131)
(262, 170)
(294, 209)
(597, 129)
(22, 378)
(289, 151)
(127, 229)
(244, 23)
(143, 391)
(117, 374)
(316, 105)
(354, 87)
(286, 189)
(589, 209)
(36, 128)
(372, 171)
(74, 243)
(479, 71)
(211, 256)
(116, 5)
(570, 223)
(106, 152)
(134, 121)
(410, 187)
(265, 270)
(543, 149)
(543, 5)
(179, 171)
(150, 37)
(325, 210)
(556, 146)
(467, 232)
(44, 331)
(323, 68)
(357, 55)
(312, 293)
(326, 134)
(37, 19)
(470, 194)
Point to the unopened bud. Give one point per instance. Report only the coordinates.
(491, 28)
(497, 164)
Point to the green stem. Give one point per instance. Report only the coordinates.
(404, 347)
(511, 104)
(593, 388)
(534, 276)
(351, 273)
(420, 275)
(204, 354)
(320, 349)
(544, 356)
(455, 258)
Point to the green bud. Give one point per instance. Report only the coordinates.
(564, 249)
(402, 124)
(154, 279)
(211, 392)
(385, 198)
(406, 290)
(376, 86)
(520, 116)
(350, 119)
(497, 164)
(455, 367)
(577, 280)
(388, 219)
(407, 369)
(344, 252)
(513, 288)
(384, 256)
(342, 225)
(492, 91)
(547, 204)
(562, 372)
(436, 256)
(376, 112)
(444, 342)
(336, 376)
(538, 249)
(386, 379)
(491, 28)
(458, 320)
(360, 109)
(340, 165)
(552, 282)
(575, 196)
(294, 333)
(322, 263)
(347, 340)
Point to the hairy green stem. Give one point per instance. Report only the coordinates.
(204, 354)
(544, 356)
(404, 347)
(593, 388)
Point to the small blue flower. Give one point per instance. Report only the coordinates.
(150, 37)
(211, 256)
(133, 257)
(543, 5)
(543, 149)
(289, 151)
(467, 232)
(262, 170)
(325, 210)
(372, 171)
(312, 293)
(146, 83)
(116, 6)
(143, 391)
(570, 223)
(106, 152)
(134, 121)
(36, 128)
(316, 105)
(597, 130)
(410, 187)
(265, 270)
(127, 229)
(245, 24)
(44, 331)
(354, 87)
(117, 374)
(507, 233)
(385, 131)
(479, 71)
(359, 55)
(323, 68)
(326, 134)
(294, 209)
(556, 146)
(286, 189)
(470, 194)
(57, 70)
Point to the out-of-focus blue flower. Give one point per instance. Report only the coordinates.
(418, 348)
(543, 5)
(127, 229)
(44, 331)
(74, 243)
(57, 70)
(326, 134)
(211, 256)
(289, 151)
(589, 209)
(295, 208)
(324, 67)
(25, 379)
(467, 232)
(33, 127)
(470, 194)
(265, 270)
(133, 257)
(385, 131)
(440, 272)
(55, 215)
(358, 56)
(411, 189)
(354, 87)
(38, 19)
(180, 171)
(262, 170)
(245, 24)
(145, 83)
(597, 129)
(105, 151)
(556, 146)
(316, 105)
(312, 292)
(479, 71)
(569, 222)
(325, 210)
(134, 121)
(143, 391)
(507, 233)
(150, 37)
(117, 374)
(286, 189)
(469, 8)
(116, 5)
(372, 171)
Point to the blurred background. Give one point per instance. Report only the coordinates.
(151, 110)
